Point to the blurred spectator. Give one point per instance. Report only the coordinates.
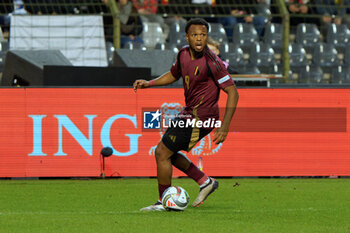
(346, 19)
(6, 7)
(262, 15)
(235, 14)
(214, 46)
(53, 7)
(172, 11)
(297, 6)
(43, 7)
(274, 11)
(332, 11)
(299, 10)
(204, 9)
(245, 13)
(130, 23)
(326, 20)
(331, 7)
(147, 10)
(18, 9)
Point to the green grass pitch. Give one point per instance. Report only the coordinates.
(255, 205)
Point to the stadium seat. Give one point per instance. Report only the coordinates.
(110, 52)
(294, 74)
(152, 34)
(235, 56)
(340, 75)
(311, 75)
(326, 56)
(339, 36)
(248, 69)
(262, 56)
(297, 61)
(308, 35)
(1, 35)
(224, 49)
(167, 46)
(4, 46)
(217, 32)
(134, 45)
(276, 69)
(177, 34)
(176, 28)
(245, 36)
(347, 56)
(297, 55)
(274, 36)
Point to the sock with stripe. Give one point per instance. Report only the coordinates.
(197, 175)
(161, 189)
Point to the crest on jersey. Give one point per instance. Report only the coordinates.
(197, 70)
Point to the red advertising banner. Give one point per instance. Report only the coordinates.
(59, 132)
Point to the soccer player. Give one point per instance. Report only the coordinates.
(204, 74)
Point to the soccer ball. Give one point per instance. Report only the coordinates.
(175, 198)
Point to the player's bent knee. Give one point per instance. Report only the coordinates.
(158, 152)
(162, 152)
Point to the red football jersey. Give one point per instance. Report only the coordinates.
(202, 79)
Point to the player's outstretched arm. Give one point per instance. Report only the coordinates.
(231, 103)
(163, 80)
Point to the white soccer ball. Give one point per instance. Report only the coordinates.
(175, 198)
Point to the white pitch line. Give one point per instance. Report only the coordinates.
(69, 213)
(137, 211)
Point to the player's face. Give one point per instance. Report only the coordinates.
(196, 37)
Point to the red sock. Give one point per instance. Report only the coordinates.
(161, 189)
(196, 174)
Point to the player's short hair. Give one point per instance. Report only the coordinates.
(196, 21)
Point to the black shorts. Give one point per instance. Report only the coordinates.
(177, 138)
